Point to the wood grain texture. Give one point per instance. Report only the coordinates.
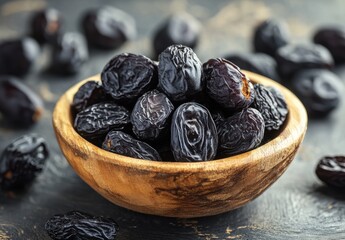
(181, 189)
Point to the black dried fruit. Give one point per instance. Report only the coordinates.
(272, 106)
(76, 225)
(270, 35)
(108, 27)
(319, 90)
(241, 132)
(179, 28)
(331, 170)
(193, 134)
(46, 25)
(128, 76)
(18, 56)
(21, 161)
(98, 119)
(19, 105)
(227, 85)
(294, 58)
(179, 73)
(332, 38)
(69, 54)
(122, 143)
(260, 63)
(151, 114)
(88, 94)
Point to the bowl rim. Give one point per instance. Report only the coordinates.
(295, 128)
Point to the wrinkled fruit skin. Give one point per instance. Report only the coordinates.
(122, 143)
(331, 170)
(180, 28)
(88, 94)
(180, 73)
(21, 161)
(69, 54)
(19, 105)
(18, 56)
(108, 27)
(77, 225)
(46, 25)
(294, 58)
(271, 105)
(259, 63)
(319, 90)
(227, 85)
(332, 38)
(193, 134)
(270, 35)
(241, 132)
(128, 76)
(98, 119)
(151, 115)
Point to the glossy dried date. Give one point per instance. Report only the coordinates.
(19, 105)
(127, 76)
(241, 132)
(108, 27)
(193, 134)
(294, 58)
(98, 119)
(331, 170)
(270, 35)
(21, 161)
(180, 73)
(179, 28)
(271, 105)
(69, 54)
(319, 90)
(88, 94)
(332, 38)
(151, 114)
(122, 143)
(82, 226)
(227, 85)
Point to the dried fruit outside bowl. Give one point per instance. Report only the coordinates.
(180, 189)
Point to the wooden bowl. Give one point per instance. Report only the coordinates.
(180, 189)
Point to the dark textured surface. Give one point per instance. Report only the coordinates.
(297, 206)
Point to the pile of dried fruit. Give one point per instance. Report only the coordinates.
(179, 108)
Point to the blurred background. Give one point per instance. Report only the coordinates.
(297, 205)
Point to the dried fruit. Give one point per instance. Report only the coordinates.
(241, 132)
(19, 105)
(180, 73)
(88, 94)
(227, 85)
(150, 115)
(108, 27)
(98, 119)
(332, 38)
(193, 134)
(46, 25)
(294, 58)
(127, 76)
(319, 90)
(331, 170)
(270, 35)
(179, 28)
(21, 161)
(271, 105)
(122, 143)
(79, 225)
(69, 54)
(17, 56)
(260, 63)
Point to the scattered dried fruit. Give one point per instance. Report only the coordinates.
(331, 170)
